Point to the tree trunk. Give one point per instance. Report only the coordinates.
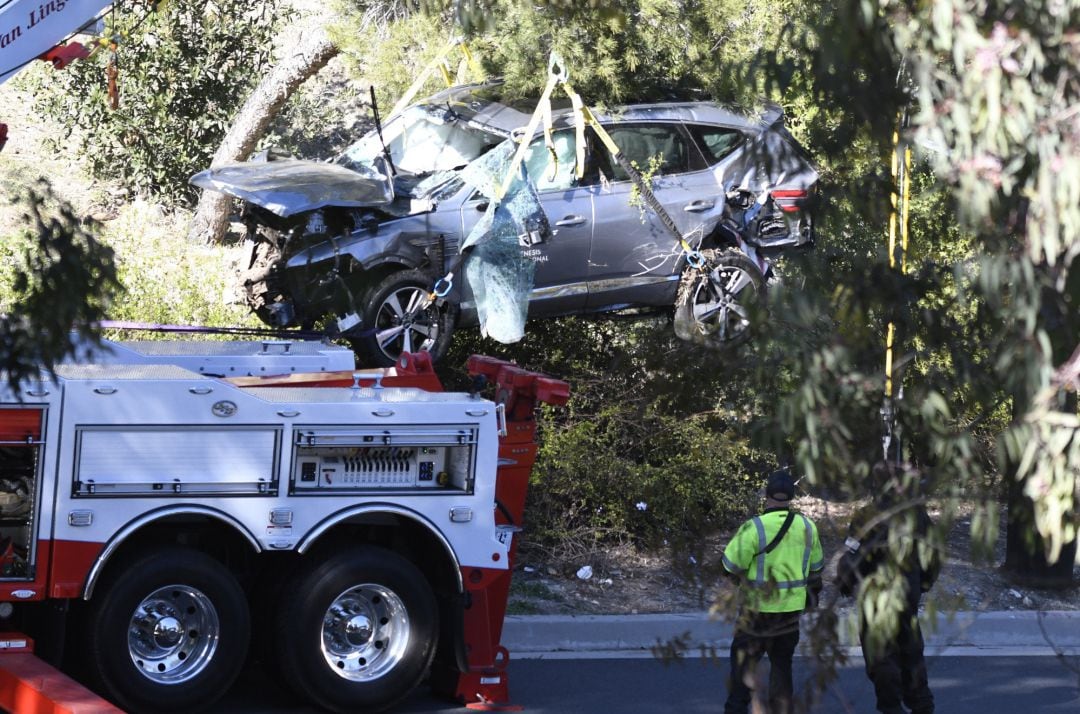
(310, 54)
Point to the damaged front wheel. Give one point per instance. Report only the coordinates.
(716, 302)
(394, 321)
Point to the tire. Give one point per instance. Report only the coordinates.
(386, 313)
(357, 632)
(167, 632)
(715, 304)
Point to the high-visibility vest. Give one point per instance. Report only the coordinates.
(789, 565)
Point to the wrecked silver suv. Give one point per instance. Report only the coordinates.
(359, 242)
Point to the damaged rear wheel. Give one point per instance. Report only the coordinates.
(715, 303)
(393, 321)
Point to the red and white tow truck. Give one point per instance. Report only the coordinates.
(169, 507)
(172, 506)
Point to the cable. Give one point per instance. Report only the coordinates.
(17, 67)
(505, 511)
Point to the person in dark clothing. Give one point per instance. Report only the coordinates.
(894, 662)
(777, 557)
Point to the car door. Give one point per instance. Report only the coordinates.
(561, 278)
(634, 259)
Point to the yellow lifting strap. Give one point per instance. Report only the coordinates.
(438, 63)
(584, 117)
(898, 225)
(556, 75)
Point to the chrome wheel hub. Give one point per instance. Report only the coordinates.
(365, 632)
(173, 634)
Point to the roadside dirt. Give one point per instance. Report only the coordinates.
(624, 581)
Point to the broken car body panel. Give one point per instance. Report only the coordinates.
(291, 186)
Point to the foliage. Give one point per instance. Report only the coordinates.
(50, 267)
(653, 479)
(615, 51)
(641, 454)
(182, 73)
(987, 312)
(1012, 138)
(58, 277)
(1004, 142)
(321, 119)
(169, 280)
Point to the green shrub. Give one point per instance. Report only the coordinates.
(55, 276)
(653, 448)
(165, 279)
(652, 480)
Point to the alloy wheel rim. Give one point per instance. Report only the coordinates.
(718, 311)
(173, 634)
(401, 327)
(365, 633)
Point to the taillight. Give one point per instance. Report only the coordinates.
(791, 200)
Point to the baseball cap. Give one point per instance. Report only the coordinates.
(781, 486)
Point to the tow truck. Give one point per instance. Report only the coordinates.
(169, 508)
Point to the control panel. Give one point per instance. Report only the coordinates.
(403, 459)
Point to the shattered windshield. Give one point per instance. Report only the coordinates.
(421, 140)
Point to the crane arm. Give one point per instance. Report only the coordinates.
(32, 28)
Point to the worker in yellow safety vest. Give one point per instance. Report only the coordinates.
(778, 560)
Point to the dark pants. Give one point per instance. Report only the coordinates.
(899, 671)
(776, 636)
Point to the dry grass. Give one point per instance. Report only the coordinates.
(626, 581)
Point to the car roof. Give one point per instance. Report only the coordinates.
(482, 103)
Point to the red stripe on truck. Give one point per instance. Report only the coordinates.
(71, 564)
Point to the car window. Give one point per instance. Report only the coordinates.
(423, 139)
(657, 148)
(553, 172)
(716, 141)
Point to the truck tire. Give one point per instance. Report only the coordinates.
(389, 326)
(715, 304)
(358, 631)
(167, 631)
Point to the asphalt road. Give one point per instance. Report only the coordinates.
(985, 684)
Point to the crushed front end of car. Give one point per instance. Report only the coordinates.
(326, 237)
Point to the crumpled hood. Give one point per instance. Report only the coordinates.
(293, 186)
